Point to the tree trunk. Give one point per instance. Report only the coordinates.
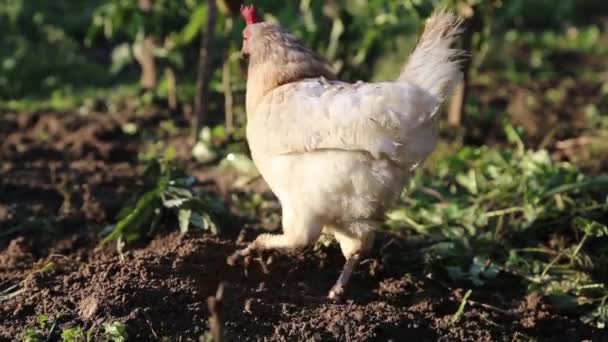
(228, 101)
(201, 99)
(145, 5)
(171, 88)
(146, 53)
(476, 21)
(148, 64)
(459, 99)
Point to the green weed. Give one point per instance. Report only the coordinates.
(167, 192)
(493, 211)
(111, 332)
(115, 332)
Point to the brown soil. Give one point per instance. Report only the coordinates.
(63, 178)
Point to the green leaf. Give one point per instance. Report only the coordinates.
(513, 137)
(174, 197)
(33, 335)
(178, 192)
(170, 154)
(198, 221)
(139, 216)
(597, 317)
(175, 202)
(599, 184)
(153, 169)
(48, 267)
(211, 226)
(591, 227)
(184, 216)
(468, 181)
(219, 132)
(43, 321)
(562, 301)
(203, 221)
(74, 334)
(115, 332)
(198, 20)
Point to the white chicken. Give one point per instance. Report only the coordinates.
(337, 155)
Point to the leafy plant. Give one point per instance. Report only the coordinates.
(173, 23)
(33, 335)
(491, 211)
(167, 192)
(112, 332)
(115, 332)
(34, 28)
(75, 334)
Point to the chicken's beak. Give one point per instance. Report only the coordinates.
(245, 47)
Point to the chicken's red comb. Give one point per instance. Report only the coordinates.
(250, 14)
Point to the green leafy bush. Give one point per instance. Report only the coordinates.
(167, 192)
(488, 211)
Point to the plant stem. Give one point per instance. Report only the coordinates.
(463, 303)
(580, 245)
(201, 99)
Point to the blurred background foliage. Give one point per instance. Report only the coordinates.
(542, 63)
(57, 53)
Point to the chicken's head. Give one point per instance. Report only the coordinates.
(275, 54)
(250, 15)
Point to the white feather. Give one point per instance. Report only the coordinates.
(435, 65)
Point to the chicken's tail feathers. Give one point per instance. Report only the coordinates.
(434, 65)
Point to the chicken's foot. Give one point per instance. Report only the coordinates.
(338, 289)
(244, 253)
(266, 242)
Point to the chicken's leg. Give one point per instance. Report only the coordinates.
(338, 289)
(296, 234)
(262, 242)
(355, 240)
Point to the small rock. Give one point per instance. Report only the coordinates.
(88, 307)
